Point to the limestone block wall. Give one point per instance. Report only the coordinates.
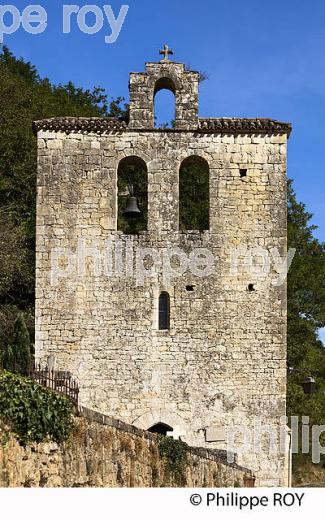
(111, 455)
(223, 361)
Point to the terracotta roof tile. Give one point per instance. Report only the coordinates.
(98, 125)
(236, 125)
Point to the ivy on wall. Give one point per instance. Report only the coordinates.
(34, 413)
(175, 454)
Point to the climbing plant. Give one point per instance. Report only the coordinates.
(34, 413)
(175, 454)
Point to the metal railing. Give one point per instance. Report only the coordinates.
(58, 380)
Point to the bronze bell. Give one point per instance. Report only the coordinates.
(132, 209)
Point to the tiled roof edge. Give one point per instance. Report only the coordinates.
(98, 125)
(234, 125)
(223, 125)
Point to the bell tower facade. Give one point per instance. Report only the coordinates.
(181, 331)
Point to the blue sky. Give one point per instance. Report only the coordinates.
(263, 58)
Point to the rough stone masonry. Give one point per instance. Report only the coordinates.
(105, 452)
(221, 364)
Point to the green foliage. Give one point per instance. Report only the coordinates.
(21, 346)
(306, 293)
(34, 413)
(295, 399)
(306, 314)
(8, 358)
(175, 454)
(194, 195)
(311, 406)
(16, 264)
(119, 109)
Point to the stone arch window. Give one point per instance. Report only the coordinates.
(160, 428)
(132, 178)
(194, 194)
(164, 311)
(164, 103)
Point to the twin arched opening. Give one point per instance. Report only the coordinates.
(132, 181)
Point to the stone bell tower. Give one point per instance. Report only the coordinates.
(168, 329)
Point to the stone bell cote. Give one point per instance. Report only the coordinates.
(158, 76)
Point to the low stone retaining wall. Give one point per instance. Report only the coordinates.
(105, 452)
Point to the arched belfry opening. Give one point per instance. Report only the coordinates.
(132, 195)
(165, 103)
(160, 428)
(162, 81)
(194, 194)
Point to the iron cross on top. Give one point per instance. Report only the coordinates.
(166, 52)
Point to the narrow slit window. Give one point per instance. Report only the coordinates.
(164, 311)
(243, 173)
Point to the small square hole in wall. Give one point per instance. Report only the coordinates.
(251, 287)
(243, 173)
(190, 288)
